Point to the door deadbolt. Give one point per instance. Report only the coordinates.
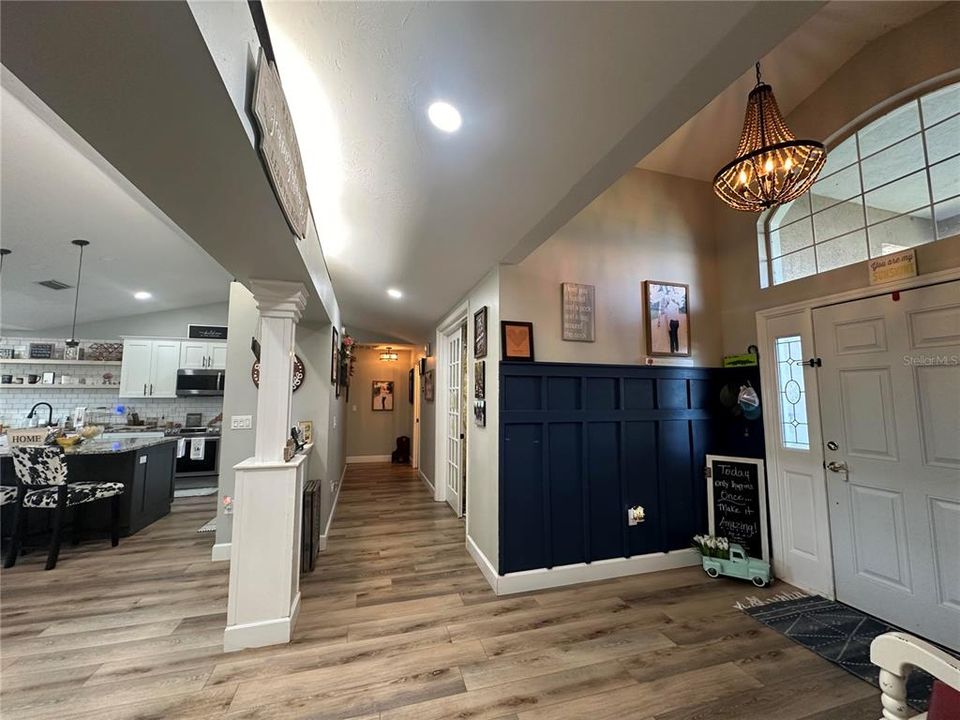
(832, 445)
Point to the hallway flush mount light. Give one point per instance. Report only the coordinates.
(394, 293)
(72, 342)
(444, 116)
(142, 295)
(771, 167)
(389, 355)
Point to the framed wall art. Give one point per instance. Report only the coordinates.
(578, 310)
(517, 340)
(428, 386)
(667, 318)
(335, 357)
(480, 333)
(382, 395)
(479, 379)
(480, 412)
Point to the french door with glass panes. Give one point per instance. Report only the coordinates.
(455, 420)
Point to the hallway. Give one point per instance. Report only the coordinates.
(397, 622)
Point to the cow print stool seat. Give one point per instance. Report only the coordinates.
(8, 494)
(44, 484)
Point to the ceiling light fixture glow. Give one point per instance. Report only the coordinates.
(394, 293)
(142, 295)
(444, 116)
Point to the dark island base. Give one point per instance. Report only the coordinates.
(147, 474)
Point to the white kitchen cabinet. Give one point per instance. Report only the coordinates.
(203, 355)
(149, 368)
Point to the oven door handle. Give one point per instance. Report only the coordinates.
(220, 381)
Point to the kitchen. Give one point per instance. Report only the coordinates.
(113, 325)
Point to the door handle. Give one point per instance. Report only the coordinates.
(839, 467)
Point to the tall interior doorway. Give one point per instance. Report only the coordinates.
(865, 468)
(455, 375)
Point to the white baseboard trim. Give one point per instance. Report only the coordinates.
(263, 632)
(220, 552)
(322, 543)
(486, 567)
(562, 575)
(426, 481)
(352, 459)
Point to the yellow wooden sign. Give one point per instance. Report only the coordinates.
(895, 266)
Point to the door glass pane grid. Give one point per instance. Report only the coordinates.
(453, 415)
(794, 428)
(896, 155)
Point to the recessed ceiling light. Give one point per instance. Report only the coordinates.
(394, 293)
(445, 116)
(142, 295)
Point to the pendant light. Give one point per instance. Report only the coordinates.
(389, 355)
(771, 167)
(73, 342)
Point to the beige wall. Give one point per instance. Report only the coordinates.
(646, 226)
(924, 51)
(372, 432)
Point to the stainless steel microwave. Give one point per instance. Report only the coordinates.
(195, 381)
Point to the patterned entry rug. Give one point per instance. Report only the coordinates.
(194, 492)
(838, 633)
(208, 526)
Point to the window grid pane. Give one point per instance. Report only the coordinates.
(794, 429)
(906, 167)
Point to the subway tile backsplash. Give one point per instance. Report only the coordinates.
(16, 401)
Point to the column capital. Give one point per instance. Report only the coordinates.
(279, 299)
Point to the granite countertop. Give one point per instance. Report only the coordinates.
(108, 447)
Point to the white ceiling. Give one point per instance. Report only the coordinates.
(558, 101)
(55, 189)
(795, 68)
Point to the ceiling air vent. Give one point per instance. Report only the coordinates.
(54, 284)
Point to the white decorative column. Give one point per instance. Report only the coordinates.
(264, 590)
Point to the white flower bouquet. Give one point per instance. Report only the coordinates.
(711, 546)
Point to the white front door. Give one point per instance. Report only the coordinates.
(890, 411)
(454, 426)
(800, 526)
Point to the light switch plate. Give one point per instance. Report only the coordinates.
(241, 422)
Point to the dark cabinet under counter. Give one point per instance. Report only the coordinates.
(145, 467)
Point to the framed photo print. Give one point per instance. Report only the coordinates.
(306, 430)
(410, 381)
(480, 412)
(383, 395)
(428, 386)
(517, 340)
(335, 358)
(667, 317)
(480, 333)
(479, 379)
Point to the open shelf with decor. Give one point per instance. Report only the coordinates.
(38, 361)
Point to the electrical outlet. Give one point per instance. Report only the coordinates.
(241, 422)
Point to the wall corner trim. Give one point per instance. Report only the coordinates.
(426, 480)
(486, 567)
(261, 633)
(220, 552)
(322, 541)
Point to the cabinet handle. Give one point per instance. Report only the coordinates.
(144, 388)
(151, 388)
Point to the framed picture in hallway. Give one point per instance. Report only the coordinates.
(480, 379)
(428, 386)
(516, 338)
(383, 395)
(480, 333)
(667, 317)
(335, 358)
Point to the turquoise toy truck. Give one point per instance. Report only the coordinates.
(738, 566)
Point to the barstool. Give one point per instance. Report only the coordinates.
(42, 476)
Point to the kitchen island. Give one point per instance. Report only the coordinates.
(145, 466)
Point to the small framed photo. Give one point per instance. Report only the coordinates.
(410, 382)
(667, 317)
(517, 340)
(306, 430)
(335, 357)
(480, 412)
(428, 386)
(47, 378)
(383, 395)
(479, 379)
(480, 333)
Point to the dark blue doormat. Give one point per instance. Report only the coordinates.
(840, 634)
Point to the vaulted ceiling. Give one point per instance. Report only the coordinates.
(558, 101)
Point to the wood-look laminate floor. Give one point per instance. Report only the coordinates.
(397, 623)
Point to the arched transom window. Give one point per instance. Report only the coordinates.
(892, 185)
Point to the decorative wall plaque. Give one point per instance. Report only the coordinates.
(299, 373)
(278, 146)
(579, 311)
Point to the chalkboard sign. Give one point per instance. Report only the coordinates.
(737, 502)
(207, 332)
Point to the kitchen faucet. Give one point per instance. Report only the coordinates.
(49, 412)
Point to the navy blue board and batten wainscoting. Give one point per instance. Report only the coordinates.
(582, 443)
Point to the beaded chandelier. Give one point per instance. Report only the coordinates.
(772, 166)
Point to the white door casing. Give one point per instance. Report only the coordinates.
(454, 409)
(799, 522)
(890, 401)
